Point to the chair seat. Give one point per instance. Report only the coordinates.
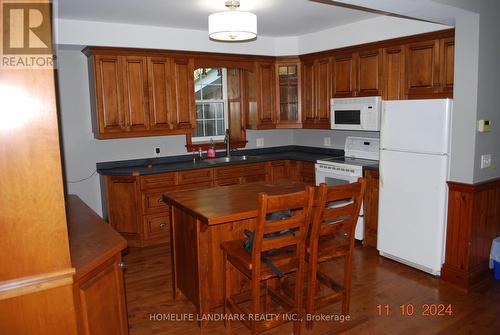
(284, 259)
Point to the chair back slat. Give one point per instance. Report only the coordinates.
(335, 227)
(300, 206)
(287, 223)
(337, 210)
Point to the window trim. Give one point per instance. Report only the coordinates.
(202, 139)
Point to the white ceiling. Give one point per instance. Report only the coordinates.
(275, 17)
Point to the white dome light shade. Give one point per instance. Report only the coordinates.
(232, 25)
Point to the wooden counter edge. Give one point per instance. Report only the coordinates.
(83, 225)
(204, 219)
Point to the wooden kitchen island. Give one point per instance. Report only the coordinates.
(200, 221)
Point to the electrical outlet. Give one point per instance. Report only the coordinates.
(485, 161)
(327, 141)
(259, 142)
(157, 151)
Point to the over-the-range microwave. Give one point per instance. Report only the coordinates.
(356, 113)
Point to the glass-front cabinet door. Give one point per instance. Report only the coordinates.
(288, 79)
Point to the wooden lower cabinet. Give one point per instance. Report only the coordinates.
(371, 207)
(308, 172)
(136, 208)
(98, 289)
(100, 300)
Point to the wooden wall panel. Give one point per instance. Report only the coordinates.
(35, 265)
(473, 222)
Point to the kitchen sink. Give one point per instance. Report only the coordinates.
(230, 159)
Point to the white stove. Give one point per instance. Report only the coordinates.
(359, 152)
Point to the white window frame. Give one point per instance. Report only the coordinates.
(225, 106)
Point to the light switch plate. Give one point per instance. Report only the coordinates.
(485, 161)
(259, 142)
(327, 141)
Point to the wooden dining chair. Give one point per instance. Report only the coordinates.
(280, 241)
(332, 237)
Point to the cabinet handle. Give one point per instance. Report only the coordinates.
(162, 225)
(122, 265)
(160, 199)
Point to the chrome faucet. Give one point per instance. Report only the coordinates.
(227, 142)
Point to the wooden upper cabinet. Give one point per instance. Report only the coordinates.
(307, 92)
(261, 96)
(266, 91)
(141, 93)
(394, 73)
(316, 92)
(422, 68)
(183, 71)
(357, 74)
(161, 93)
(369, 73)
(135, 93)
(109, 116)
(344, 75)
(447, 64)
(429, 68)
(323, 92)
(288, 106)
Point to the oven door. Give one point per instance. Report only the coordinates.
(331, 178)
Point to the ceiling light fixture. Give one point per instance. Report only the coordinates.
(232, 25)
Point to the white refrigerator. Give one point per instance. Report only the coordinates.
(414, 169)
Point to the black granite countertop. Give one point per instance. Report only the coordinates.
(185, 162)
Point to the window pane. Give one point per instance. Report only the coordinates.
(210, 115)
(219, 110)
(217, 81)
(212, 92)
(210, 128)
(220, 127)
(199, 111)
(198, 131)
(209, 112)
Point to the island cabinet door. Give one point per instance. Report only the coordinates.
(100, 300)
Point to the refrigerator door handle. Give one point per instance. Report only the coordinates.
(380, 174)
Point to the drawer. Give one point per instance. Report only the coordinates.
(195, 176)
(227, 181)
(254, 169)
(254, 178)
(195, 186)
(240, 170)
(158, 180)
(153, 202)
(156, 225)
(228, 172)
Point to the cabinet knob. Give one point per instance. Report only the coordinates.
(160, 199)
(162, 225)
(122, 265)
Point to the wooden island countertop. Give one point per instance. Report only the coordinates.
(224, 204)
(200, 220)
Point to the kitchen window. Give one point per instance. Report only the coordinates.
(210, 88)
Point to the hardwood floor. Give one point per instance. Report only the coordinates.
(375, 281)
